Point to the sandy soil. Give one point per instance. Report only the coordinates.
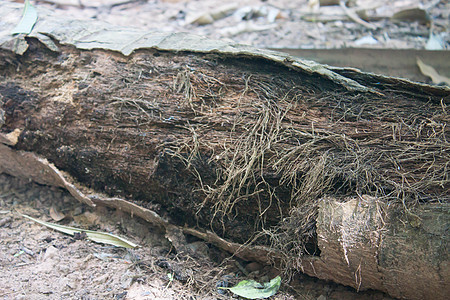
(40, 263)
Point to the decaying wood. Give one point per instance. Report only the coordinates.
(338, 173)
(368, 245)
(364, 244)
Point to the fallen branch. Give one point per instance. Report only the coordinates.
(354, 16)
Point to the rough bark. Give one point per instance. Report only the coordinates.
(367, 245)
(235, 139)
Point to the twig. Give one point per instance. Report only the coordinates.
(352, 15)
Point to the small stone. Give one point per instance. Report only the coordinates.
(50, 253)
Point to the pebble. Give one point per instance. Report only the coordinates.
(50, 253)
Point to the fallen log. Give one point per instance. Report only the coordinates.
(335, 172)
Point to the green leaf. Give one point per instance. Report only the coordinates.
(95, 236)
(28, 20)
(251, 289)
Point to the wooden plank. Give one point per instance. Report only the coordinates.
(390, 62)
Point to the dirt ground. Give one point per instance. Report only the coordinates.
(39, 263)
(276, 23)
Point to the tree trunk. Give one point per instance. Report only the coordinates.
(238, 140)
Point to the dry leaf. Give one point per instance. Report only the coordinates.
(432, 73)
(328, 2)
(209, 17)
(412, 15)
(98, 237)
(28, 20)
(248, 26)
(56, 214)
